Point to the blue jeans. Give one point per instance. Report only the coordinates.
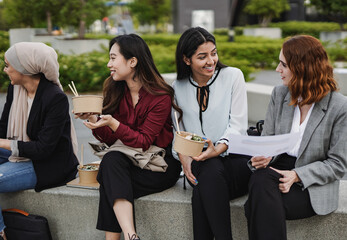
(14, 176)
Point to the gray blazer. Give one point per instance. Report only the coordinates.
(322, 156)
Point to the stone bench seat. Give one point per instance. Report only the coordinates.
(72, 214)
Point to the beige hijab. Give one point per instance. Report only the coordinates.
(30, 58)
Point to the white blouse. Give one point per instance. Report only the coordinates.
(297, 127)
(227, 106)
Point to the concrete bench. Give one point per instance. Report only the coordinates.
(72, 214)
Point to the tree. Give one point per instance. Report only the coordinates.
(336, 10)
(151, 11)
(82, 13)
(49, 10)
(20, 13)
(267, 9)
(34, 13)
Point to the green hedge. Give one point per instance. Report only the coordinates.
(292, 28)
(4, 41)
(88, 71)
(259, 55)
(4, 80)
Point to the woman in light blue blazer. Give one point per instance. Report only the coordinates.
(305, 180)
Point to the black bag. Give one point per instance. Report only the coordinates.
(256, 131)
(21, 225)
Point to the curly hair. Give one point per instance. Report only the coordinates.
(312, 73)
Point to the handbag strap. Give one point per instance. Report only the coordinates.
(16, 210)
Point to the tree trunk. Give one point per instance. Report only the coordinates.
(81, 29)
(82, 26)
(341, 26)
(49, 22)
(265, 21)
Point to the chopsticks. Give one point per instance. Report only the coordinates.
(81, 161)
(73, 89)
(178, 127)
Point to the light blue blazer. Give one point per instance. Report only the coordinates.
(322, 156)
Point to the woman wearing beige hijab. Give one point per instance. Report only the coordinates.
(37, 141)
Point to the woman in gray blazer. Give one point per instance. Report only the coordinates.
(304, 181)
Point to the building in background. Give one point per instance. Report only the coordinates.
(217, 14)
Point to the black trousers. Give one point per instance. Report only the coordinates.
(221, 179)
(267, 208)
(120, 179)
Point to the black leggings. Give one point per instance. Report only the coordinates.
(221, 179)
(267, 208)
(120, 179)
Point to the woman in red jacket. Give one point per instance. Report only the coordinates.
(137, 108)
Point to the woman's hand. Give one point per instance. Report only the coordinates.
(260, 161)
(105, 120)
(187, 168)
(211, 151)
(91, 117)
(289, 177)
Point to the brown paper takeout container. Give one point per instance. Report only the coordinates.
(88, 176)
(87, 104)
(187, 147)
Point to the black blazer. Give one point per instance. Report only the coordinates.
(48, 128)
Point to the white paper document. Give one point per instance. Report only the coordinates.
(266, 146)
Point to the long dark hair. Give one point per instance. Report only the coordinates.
(189, 42)
(132, 45)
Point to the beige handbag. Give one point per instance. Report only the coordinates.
(152, 159)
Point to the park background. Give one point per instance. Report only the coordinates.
(160, 23)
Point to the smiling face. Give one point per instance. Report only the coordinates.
(203, 62)
(283, 69)
(121, 68)
(15, 76)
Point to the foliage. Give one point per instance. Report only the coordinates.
(4, 41)
(4, 80)
(221, 31)
(151, 11)
(161, 39)
(266, 9)
(21, 13)
(98, 36)
(292, 28)
(310, 28)
(338, 51)
(33, 13)
(81, 13)
(259, 55)
(88, 71)
(334, 9)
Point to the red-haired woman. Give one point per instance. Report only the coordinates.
(305, 180)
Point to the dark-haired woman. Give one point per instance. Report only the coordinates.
(213, 99)
(137, 107)
(305, 180)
